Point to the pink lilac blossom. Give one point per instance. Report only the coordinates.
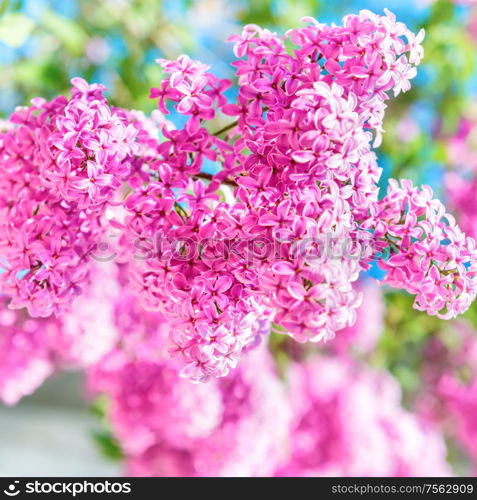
(26, 359)
(461, 183)
(147, 395)
(460, 192)
(449, 395)
(363, 336)
(61, 162)
(280, 233)
(151, 404)
(461, 147)
(304, 180)
(407, 129)
(430, 256)
(253, 406)
(461, 405)
(170, 427)
(32, 349)
(332, 416)
(87, 331)
(348, 421)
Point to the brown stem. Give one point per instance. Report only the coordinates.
(210, 177)
(227, 127)
(180, 211)
(392, 243)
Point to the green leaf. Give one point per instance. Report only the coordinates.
(440, 152)
(15, 28)
(108, 445)
(3, 6)
(99, 407)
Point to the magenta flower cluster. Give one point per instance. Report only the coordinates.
(449, 392)
(32, 349)
(430, 256)
(279, 234)
(354, 425)
(334, 416)
(299, 164)
(62, 162)
(461, 181)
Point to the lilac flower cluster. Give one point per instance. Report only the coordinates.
(32, 349)
(348, 421)
(249, 425)
(296, 169)
(449, 393)
(430, 256)
(61, 162)
(279, 234)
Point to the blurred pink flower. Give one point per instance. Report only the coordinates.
(364, 335)
(168, 426)
(97, 50)
(449, 394)
(31, 349)
(348, 421)
(407, 129)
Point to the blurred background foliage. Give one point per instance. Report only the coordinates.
(43, 43)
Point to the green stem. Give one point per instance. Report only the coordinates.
(226, 128)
